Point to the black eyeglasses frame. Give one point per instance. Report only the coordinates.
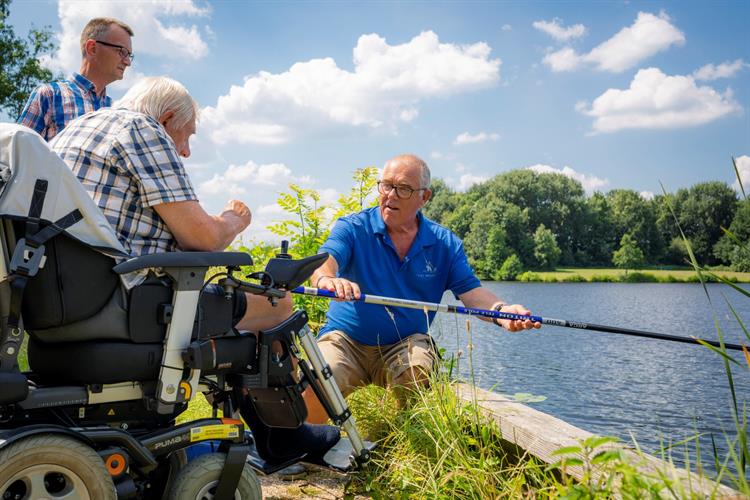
(123, 51)
(399, 190)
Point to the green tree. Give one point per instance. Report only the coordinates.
(310, 226)
(555, 200)
(734, 247)
(676, 252)
(20, 70)
(702, 210)
(546, 251)
(442, 203)
(510, 269)
(496, 230)
(629, 255)
(632, 214)
(596, 240)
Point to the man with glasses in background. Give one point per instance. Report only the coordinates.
(107, 51)
(393, 250)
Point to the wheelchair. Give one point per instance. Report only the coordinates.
(114, 360)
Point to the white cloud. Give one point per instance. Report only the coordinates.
(658, 101)
(648, 35)
(723, 70)
(590, 183)
(646, 195)
(565, 59)
(507, 27)
(384, 89)
(271, 214)
(556, 30)
(436, 155)
(236, 179)
(467, 138)
(158, 31)
(465, 180)
(408, 114)
(264, 216)
(468, 180)
(743, 166)
(122, 86)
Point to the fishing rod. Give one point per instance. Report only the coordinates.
(471, 311)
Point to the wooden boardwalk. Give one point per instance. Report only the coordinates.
(540, 435)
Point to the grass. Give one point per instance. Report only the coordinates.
(654, 275)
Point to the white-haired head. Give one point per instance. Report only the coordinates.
(156, 95)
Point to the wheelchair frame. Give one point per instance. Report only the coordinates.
(144, 461)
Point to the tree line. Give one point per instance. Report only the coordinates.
(527, 220)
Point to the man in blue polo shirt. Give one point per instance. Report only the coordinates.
(393, 250)
(106, 51)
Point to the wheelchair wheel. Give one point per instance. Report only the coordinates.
(53, 466)
(199, 478)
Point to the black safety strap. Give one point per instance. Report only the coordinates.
(28, 257)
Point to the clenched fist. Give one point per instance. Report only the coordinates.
(240, 210)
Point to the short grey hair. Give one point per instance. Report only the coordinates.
(98, 27)
(155, 95)
(412, 159)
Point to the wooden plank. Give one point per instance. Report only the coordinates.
(540, 435)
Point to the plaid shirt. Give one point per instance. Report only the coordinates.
(128, 164)
(53, 105)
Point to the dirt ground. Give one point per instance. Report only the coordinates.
(316, 483)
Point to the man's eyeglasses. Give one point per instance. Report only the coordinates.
(123, 51)
(402, 192)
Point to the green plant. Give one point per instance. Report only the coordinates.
(309, 227)
(638, 277)
(739, 447)
(573, 278)
(510, 269)
(607, 472)
(528, 276)
(629, 255)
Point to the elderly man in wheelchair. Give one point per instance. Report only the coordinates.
(124, 331)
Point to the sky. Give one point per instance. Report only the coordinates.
(617, 94)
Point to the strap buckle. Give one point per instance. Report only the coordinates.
(27, 259)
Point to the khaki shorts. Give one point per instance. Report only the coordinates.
(354, 364)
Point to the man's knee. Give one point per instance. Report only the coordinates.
(412, 362)
(413, 376)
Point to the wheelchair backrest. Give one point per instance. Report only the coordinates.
(41, 199)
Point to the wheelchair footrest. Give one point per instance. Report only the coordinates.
(340, 456)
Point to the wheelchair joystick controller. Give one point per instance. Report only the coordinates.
(284, 254)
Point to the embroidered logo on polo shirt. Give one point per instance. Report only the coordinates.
(429, 269)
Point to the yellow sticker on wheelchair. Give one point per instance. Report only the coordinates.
(221, 431)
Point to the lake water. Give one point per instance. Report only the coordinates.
(609, 384)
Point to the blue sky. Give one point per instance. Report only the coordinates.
(616, 94)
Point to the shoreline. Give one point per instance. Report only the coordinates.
(613, 275)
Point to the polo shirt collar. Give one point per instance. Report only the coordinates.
(425, 234)
(86, 84)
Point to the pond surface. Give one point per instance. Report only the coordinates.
(610, 384)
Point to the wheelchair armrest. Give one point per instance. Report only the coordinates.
(184, 259)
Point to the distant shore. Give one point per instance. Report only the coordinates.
(613, 275)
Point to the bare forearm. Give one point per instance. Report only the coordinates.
(480, 298)
(328, 269)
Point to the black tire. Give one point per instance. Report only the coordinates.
(198, 480)
(51, 466)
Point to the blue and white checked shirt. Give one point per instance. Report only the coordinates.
(128, 164)
(53, 105)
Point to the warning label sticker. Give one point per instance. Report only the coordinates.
(220, 431)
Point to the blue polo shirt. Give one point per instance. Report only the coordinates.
(365, 254)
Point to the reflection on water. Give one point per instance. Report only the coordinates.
(658, 391)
